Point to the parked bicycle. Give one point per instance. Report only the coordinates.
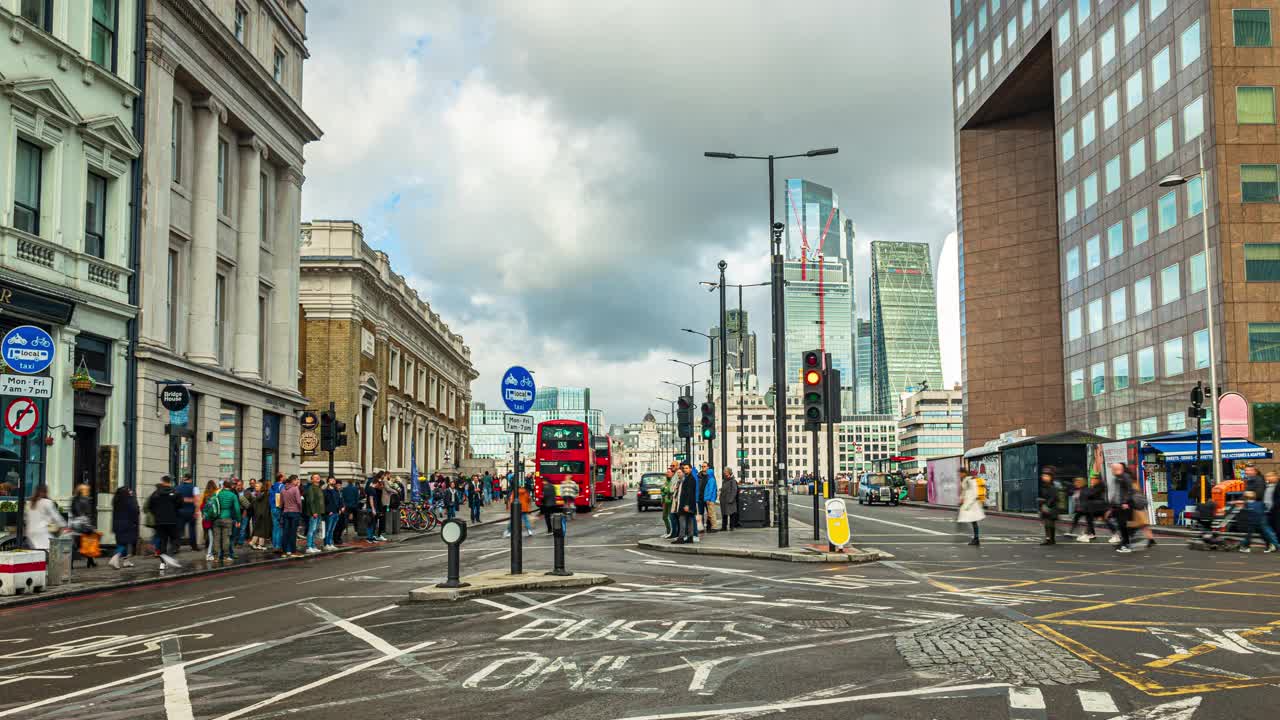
(422, 516)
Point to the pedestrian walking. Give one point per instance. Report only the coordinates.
(709, 495)
(124, 525)
(668, 488)
(475, 500)
(206, 522)
(1253, 481)
(377, 510)
(277, 511)
(222, 511)
(971, 510)
(313, 508)
(686, 496)
(83, 527)
(1271, 501)
(1048, 503)
(1255, 514)
(164, 506)
(729, 499)
(1080, 509)
(1140, 517)
(188, 494)
(1095, 506)
(41, 519)
(526, 506)
(332, 510)
(1119, 495)
(263, 523)
(692, 477)
(291, 514)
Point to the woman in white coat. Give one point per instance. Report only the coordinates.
(41, 518)
(970, 504)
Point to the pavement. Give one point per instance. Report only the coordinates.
(762, 543)
(1008, 629)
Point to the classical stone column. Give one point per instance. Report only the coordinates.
(157, 180)
(248, 252)
(283, 361)
(201, 348)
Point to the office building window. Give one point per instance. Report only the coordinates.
(1083, 8)
(277, 65)
(982, 16)
(220, 317)
(1157, 7)
(175, 141)
(1142, 296)
(970, 34)
(959, 94)
(973, 80)
(171, 301)
(1011, 32)
(1119, 311)
(1090, 186)
(1148, 426)
(264, 211)
(1146, 365)
(1262, 262)
(1266, 422)
(1115, 240)
(983, 66)
(1193, 119)
(959, 52)
(242, 17)
(1256, 105)
(1101, 430)
(264, 333)
(1097, 316)
(1068, 144)
(1140, 227)
(956, 6)
(997, 50)
(1264, 342)
(95, 353)
(1132, 23)
(1195, 197)
(1112, 173)
(1133, 91)
(38, 13)
(1167, 212)
(1176, 421)
(224, 187)
(1097, 378)
(103, 34)
(1073, 324)
(1259, 183)
(1086, 66)
(1026, 13)
(1064, 27)
(1197, 281)
(1122, 431)
(1069, 208)
(1137, 158)
(1092, 253)
(1200, 346)
(1077, 384)
(27, 187)
(1110, 110)
(1164, 139)
(1120, 372)
(1106, 46)
(1252, 27)
(1160, 69)
(1190, 44)
(1066, 86)
(1073, 262)
(1173, 357)
(95, 215)
(1170, 284)
(1088, 128)
(229, 435)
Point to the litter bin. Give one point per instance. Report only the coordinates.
(753, 506)
(393, 521)
(60, 551)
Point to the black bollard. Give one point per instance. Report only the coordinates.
(453, 532)
(558, 554)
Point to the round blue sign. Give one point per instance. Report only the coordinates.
(518, 390)
(27, 349)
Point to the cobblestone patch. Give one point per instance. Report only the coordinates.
(992, 648)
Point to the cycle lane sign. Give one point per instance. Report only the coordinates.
(27, 349)
(21, 416)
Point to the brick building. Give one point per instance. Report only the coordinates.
(397, 375)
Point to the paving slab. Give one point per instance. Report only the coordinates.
(762, 543)
(494, 582)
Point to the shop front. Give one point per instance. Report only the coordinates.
(1170, 465)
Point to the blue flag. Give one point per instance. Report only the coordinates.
(413, 469)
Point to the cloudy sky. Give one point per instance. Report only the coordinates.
(535, 168)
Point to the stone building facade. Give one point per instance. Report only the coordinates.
(395, 372)
(219, 254)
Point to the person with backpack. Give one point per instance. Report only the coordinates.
(263, 524)
(222, 511)
(277, 512)
(971, 500)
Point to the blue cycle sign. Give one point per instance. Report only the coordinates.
(27, 349)
(518, 390)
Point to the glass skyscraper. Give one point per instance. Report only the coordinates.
(904, 323)
(862, 358)
(741, 349)
(803, 314)
(813, 207)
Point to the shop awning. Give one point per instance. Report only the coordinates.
(1185, 450)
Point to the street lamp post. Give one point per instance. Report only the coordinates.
(1175, 181)
(688, 445)
(779, 341)
(742, 349)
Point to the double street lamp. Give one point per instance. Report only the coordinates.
(1175, 181)
(779, 332)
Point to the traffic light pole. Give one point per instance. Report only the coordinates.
(833, 400)
(334, 430)
(513, 493)
(724, 375)
(816, 532)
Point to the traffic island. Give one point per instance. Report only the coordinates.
(494, 582)
(762, 545)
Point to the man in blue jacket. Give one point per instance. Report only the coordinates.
(693, 476)
(709, 495)
(277, 513)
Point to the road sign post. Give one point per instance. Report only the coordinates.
(518, 393)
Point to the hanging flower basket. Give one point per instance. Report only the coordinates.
(81, 380)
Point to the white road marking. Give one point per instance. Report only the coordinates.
(177, 698)
(926, 531)
(637, 552)
(22, 709)
(495, 552)
(791, 705)
(494, 603)
(132, 617)
(1097, 702)
(1026, 698)
(324, 680)
(1176, 710)
(548, 603)
(376, 642)
(345, 574)
(10, 679)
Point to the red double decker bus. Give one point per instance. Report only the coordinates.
(605, 481)
(564, 454)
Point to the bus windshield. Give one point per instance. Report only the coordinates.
(562, 437)
(561, 467)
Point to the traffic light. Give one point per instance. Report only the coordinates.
(339, 433)
(1197, 402)
(326, 431)
(684, 416)
(708, 421)
(812, 372)
(833, 396)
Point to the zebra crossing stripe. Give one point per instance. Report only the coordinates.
(1092, 701)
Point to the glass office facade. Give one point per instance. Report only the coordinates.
(904, 323)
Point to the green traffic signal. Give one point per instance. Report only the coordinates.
(706, 433)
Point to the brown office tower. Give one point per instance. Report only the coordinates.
(1083, 293)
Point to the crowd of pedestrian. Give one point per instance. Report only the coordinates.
(695, 501)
